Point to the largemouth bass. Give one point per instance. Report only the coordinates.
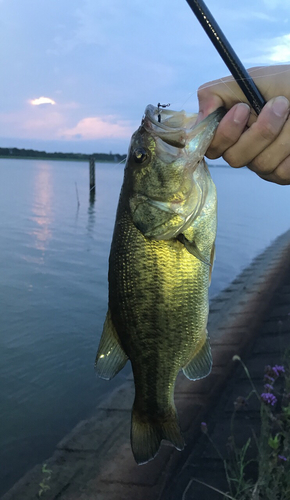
(159, 271)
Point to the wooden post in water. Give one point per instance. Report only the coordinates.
(92, 179)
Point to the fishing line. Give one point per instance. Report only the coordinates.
(231, 79)
(231, 90)
(120, 162)
(270, 74)
(212, 85)
(226, 79)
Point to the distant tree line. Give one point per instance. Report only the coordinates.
(31, 153)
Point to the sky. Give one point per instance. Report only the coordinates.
(76, 75)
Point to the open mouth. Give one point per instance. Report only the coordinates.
(170, 126)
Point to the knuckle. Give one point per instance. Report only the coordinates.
(263, 164)
(282, 173)
(266, 131)
(232, 159)
(212, 154)
(227, 135)
(259, 165)
(277, 179)
(282, 181)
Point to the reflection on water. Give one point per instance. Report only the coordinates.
(42, 206)
(91, 217)
(92, 196)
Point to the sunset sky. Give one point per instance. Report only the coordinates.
(76, 75)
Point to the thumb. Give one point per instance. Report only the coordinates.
(208, 102)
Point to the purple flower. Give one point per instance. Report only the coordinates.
(269, 398)
(269, 379)
(278, 370)
(268, 387)
(269, 372)
(274, 371)
(282, 458)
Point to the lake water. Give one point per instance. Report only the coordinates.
(53, 289)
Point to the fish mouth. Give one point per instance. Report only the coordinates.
(169, 126)
(177, 135)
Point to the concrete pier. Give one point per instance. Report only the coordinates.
(94, 462)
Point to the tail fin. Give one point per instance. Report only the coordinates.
(146, 436)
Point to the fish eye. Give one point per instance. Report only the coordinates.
(140, 155)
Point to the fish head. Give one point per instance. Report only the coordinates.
(165, 185)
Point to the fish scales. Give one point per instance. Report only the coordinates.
(159, 272)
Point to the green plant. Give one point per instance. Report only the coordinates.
(272, 481)
(43, 486)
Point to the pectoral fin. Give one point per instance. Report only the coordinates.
(201, 364)
(192, 248)
(110, 357)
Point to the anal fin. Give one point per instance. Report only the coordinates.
(201, 364)
(110, 357)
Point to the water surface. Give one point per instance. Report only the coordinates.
(53, 289)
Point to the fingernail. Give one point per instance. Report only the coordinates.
(241, 113)
(280, 106)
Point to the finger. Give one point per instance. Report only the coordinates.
(223, 92)
(207, 104)
(281, 174)
(260, 135)
(268, 80)
(274, 155)
(229, 130)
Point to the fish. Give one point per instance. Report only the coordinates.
(160, 267)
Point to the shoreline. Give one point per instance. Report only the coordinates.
(54, 159)
(95, 460)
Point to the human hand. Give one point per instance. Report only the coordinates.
(262, 143)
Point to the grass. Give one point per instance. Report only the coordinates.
(44, 484)
(272, 460)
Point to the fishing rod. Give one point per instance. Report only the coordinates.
(228, 54)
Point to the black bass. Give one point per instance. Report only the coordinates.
(159, 271)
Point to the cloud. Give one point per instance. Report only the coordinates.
(96, 127)
(281, 51)
(63, 122)
(275, 50)
(108, 60)
(41, 100)
(32, 122)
